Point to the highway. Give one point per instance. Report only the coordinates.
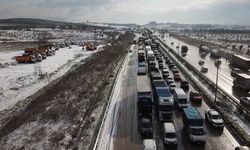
(124, 134)
(225, 80)
(119, 129)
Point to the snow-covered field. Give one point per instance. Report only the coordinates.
(32, 35)
(18, 81)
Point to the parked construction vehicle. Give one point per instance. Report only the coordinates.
(44, 51)
(26, 58)
(90, 47)
(32, 55)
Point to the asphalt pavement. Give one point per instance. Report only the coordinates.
(126, 136)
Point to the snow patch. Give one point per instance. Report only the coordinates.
(18, 81)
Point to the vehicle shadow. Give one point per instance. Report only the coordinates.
(215, 132)
(189, 145)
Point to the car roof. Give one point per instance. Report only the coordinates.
(146, 120)
(169, 127)
(213, 112)
(149, 144)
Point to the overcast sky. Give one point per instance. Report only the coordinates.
(131, 11)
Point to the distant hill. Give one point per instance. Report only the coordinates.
(129, 25)
(26, 23)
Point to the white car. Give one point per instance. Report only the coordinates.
(149, 144)
(169, 80)
(214, 118)
(172, 87)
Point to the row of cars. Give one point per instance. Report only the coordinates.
(165, 96)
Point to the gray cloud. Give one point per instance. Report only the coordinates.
(217, 13)
(141, 11)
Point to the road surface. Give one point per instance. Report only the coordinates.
(123, 133)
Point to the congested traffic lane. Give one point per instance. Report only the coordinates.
(126, 135)
(216, 139)
(225, 80)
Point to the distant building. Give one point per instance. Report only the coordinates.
(152, 23)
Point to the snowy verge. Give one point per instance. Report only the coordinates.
(18, 81)
(108, 127)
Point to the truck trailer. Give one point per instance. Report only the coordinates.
(164, 99)
(242, 81)
(144, 96)
(193, 125)
(240, 61)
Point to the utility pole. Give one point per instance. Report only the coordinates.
(178, 51)
(216, 84)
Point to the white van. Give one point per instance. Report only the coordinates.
(180, 98)
(170, 135)
(149, 144)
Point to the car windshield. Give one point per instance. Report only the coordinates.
(146, 123)
(166, 107)
(170, 135)
(196, 94)
(216, 117)
(142, 65)
(197, 131)
(163, 92)
(172, 85)
(183, 101)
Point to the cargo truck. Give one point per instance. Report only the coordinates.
(193, 125)
(164, 99)
(155, 74)
(144, 106)
(242, 81)
(240, 61)
(141, 56)
(144, 96)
